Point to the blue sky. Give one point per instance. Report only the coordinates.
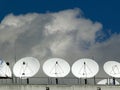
(105, 11)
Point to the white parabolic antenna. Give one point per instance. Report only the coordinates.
(108, 82)
(4, 69)
(26, 67)
(85, 68)
(112, 68)
(56, 67)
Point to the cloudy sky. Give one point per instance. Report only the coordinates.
(70, 30)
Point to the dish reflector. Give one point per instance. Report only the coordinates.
(56, 67)
(108, 82)
(85, 68)
(112, 68)
(4, 69)
(26, 67)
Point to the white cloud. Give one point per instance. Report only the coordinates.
(66, 34)
(11, 26)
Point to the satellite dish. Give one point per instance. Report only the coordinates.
(26, 67)
(108, 82)
(85, 68)
(4, 69)
(56, 67)
(112, 68)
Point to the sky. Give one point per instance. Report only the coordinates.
(105, 11)
(68, 29)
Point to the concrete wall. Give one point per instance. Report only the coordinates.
(57, 87)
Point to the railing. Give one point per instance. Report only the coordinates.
(53, 81)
